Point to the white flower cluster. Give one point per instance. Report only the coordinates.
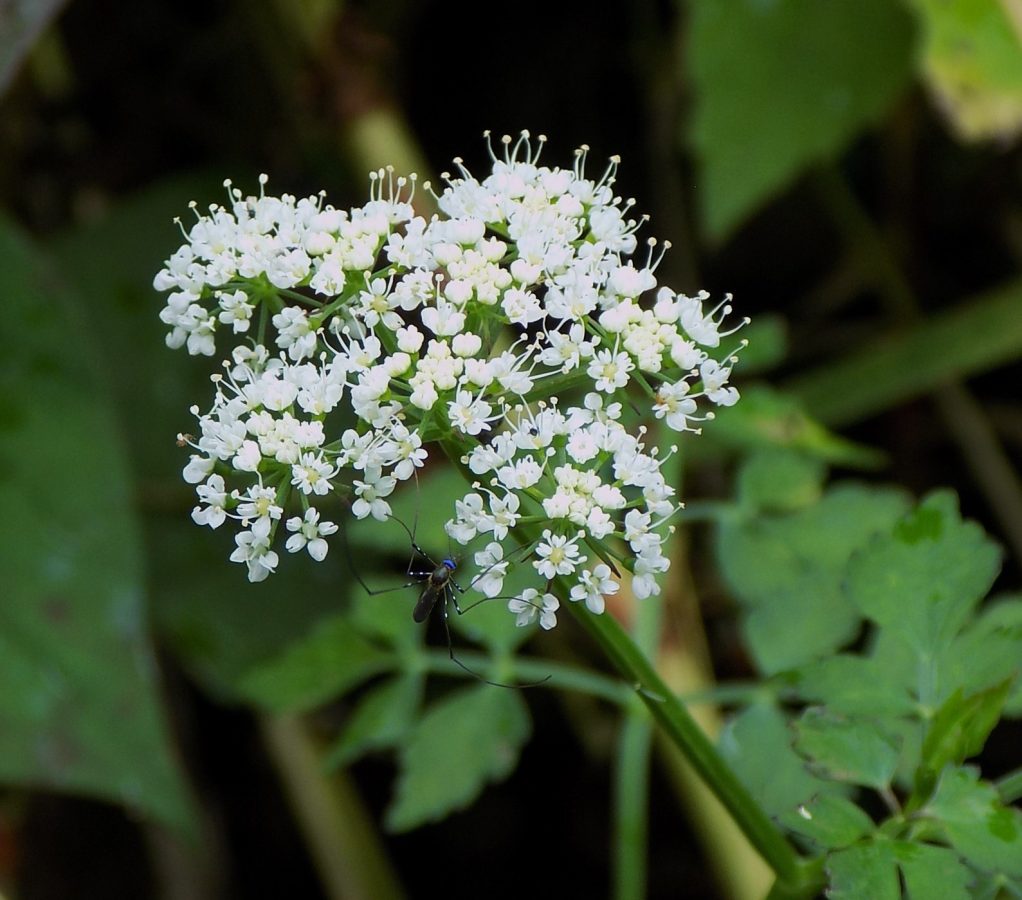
(463, 328)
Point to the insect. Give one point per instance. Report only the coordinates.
(437, 586)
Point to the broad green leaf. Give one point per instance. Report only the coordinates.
(154, 386)
(863, 872)
(383, 717)
(972, 59)
(982, 333)
(922, 579)
(983, 830)
(220, 625)
(79, 708)
(780, 481)
(779, 86)
(988, 651)
(331, 660)
(959, 730)
(930, 872)
(830, 820)
(857, 685)
(470, 738)
(757, 744)
(789, 571)
(845, 749)
(768, 418)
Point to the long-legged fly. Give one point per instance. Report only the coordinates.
(438, 585)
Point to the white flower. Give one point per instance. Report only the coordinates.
(370, 495)
(558, 555)
(593, 586)
(492, 569)
(530, 605)
(309, 533)
(213, 494)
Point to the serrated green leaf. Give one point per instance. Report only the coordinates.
(757, 744)
(982, 829)
(830, 820)
(958, 731)
(855, 751)
(778, 480)
(923, 579)
(382, 719)
(332, 659)
(79, 709)
(988, 651)
(857, 685)
(972, 59)
(781, 85)
(790, 569)
(930, 872)
(469, 739)
(863, 872)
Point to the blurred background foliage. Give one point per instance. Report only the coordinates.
(850, 171)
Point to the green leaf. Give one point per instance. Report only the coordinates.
(779, 480)
(470, 738)
(850, 750)
(331, 660)
(161, 383)
(977, 336)
(757, 744)
(767, 337)
(972, 59)
(768, 418)
(988, 651)
(219, 624)
(79, 709)
(922, 579)
(382, 719)
(858, 685)
(930, 871)
(959, 730)
(781, 85)
(790, 569)
(983, 830)
(863, 872)
(829, 820)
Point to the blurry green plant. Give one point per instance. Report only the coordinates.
(883, 672)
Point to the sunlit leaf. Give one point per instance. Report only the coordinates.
(972, 60)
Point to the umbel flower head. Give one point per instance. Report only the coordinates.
(512, 328)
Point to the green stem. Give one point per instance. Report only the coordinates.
(560, 676)
(631, 782)
(803, 877)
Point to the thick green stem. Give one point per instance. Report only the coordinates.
(798, 875)
(631, 781)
